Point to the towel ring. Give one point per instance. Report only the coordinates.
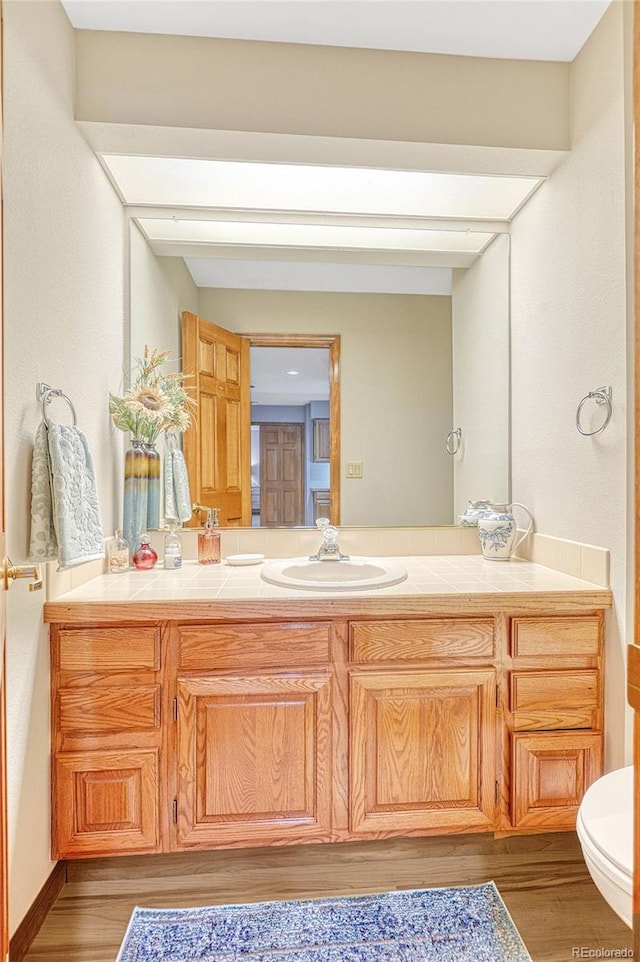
(45, 394)
(601, 395)
(454, 440)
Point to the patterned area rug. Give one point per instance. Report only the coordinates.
(469, 924)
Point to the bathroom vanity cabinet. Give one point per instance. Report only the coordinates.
(182, 726)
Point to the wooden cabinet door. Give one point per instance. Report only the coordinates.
(321, 445)
(321, 503)
(105, 803)
(422, 750)
(551, 771)
(254, 759)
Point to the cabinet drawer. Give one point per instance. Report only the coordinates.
(555, 699)
(202, 647)
(109, 649)
(376, 641)
(99, 710)
(542, 637)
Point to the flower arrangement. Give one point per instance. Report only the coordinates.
(154, 402)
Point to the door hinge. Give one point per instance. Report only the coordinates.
(497, 696)
(175, 810)
(175, 709)
(497, 794)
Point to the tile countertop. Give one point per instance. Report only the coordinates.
(428, 576)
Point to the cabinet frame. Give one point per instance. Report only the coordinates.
(358, 648)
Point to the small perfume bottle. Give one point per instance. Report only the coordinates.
(118, 554)
(172, 549)
(209, 540)
(145, 557)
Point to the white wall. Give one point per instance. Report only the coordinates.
(160, 289)
(569, 316)
(480, 323)
(395, 387)
(337, 92)
(64, 298)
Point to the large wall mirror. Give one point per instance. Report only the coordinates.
(423, 353)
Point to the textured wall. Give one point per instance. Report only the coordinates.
(160, 289)
(480, 320)
(64, 299)
(569, 326)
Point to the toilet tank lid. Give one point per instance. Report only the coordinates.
(606, 814)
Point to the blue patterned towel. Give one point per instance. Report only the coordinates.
(65, 520)
(43, 544)
(177, 499)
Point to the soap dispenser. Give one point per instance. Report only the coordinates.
(172, 549)
(209, 540)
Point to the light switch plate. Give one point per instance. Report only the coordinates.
(354, 469)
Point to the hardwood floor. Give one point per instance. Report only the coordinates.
(542, 879)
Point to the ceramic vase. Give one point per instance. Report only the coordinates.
(153, 490)
(136, 495)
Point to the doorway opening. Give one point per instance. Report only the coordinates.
(295, 439)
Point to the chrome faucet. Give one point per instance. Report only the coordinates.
(329, 550)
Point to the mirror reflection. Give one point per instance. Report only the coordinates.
(413, 367)
(290, 440)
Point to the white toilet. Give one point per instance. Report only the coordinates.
(605, 830)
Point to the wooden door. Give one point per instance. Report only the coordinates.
(634, 701)
(4, 880)
(422, 750)
(634, 655)
(217, 447)
(282, 499)
(254, 759)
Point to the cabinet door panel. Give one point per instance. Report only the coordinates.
(551, 773)
(422, 750)
(254, 758)
(105, 803)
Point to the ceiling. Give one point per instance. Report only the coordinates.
(515, 29)
(280, 226)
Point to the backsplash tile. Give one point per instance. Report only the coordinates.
(58, 582)
(586, 561)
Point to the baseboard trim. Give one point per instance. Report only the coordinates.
(42, 904)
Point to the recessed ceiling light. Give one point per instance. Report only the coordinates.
(292, 373)
(180, 182)
(235, 233)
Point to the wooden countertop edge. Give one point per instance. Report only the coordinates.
(238, 609)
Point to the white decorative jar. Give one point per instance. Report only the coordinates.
(498, 531)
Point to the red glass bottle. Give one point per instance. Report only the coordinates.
(145, 557)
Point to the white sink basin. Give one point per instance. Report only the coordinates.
(352, 575)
